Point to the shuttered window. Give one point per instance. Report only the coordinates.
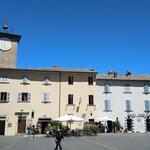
(128, 106)
(147, 106)
(146, 89)
(107, 104)
(107, 88)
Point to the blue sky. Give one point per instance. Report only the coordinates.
(100, 34)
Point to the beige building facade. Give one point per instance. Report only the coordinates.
(37, 96)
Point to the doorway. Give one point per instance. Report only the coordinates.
(109, 126)
(129, 124)
(43, 123)
(148, 124)
(21, 125)
(2, 127)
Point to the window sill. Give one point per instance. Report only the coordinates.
(25, 83)
(107, 110)
(45, 102)
(107, 92)
(2, 101)
(23, 101)
(128, 111)
(4, 82)
(92, 105)
(146, 93)
(70, 104)
(46, 84)
(147, 111)
(127, 92)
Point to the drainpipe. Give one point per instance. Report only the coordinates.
(59, 93)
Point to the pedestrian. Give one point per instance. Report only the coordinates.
(29, 131)
(59, 136)
(33, 131)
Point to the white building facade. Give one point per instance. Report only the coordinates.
(126, 98)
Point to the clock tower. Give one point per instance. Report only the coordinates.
(8, 48)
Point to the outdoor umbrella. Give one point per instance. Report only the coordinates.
(104, 119)
(69, 118)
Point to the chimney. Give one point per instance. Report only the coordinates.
(115, 74)
(128, 73)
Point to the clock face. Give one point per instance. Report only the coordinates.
(5, 44)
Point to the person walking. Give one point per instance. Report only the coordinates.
(59, 136)
(33, 131)
(29, 131)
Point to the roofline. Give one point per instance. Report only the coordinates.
(132, 77)
(9, 35)
(50, 70)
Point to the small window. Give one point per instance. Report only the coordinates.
(4, 96)
(127, 89)
(147, 106)
(25, 80)
(47, 81)
(24, 97)
(91, 100)
(70, 99)
(90, 80)
(107, 105)
(128, 106)
(107, 88)
(3, 79)
(46, 97)
(146, 89)
(70, 80)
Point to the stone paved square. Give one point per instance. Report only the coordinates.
(100, 142)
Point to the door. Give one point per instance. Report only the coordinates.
(110, 126)
(44, 125)
(148, 124)
(129, 124)
(21, 125)
(2, 127)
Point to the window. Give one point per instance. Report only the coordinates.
(107, 105)
(127, 88)
(107, 88)
(4, 96)
(70, 99)
(24, 97)
(90, 80)
(128, 106)
(147, 106)
(70, 80)
(25, 80)
(47, 81)
(46, 97)
(3, 79)
(146, 89)
(91, 100)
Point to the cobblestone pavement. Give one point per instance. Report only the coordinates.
(100, 142)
